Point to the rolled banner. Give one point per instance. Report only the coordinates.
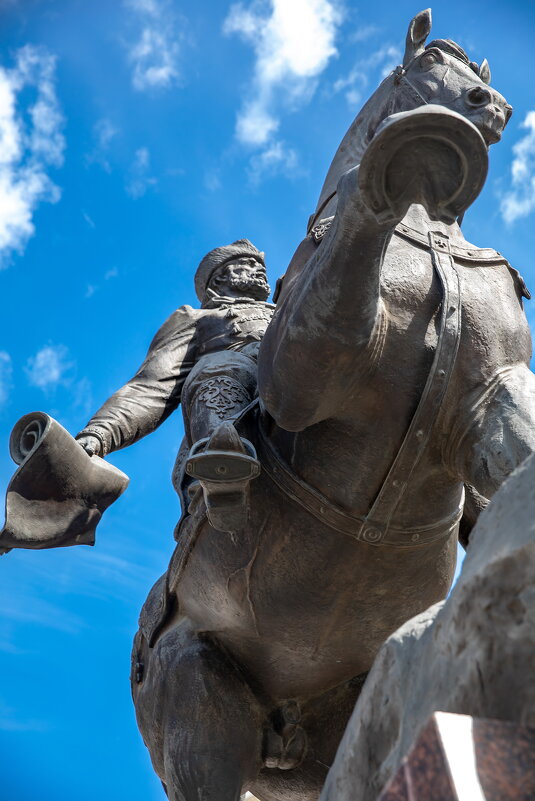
(59, 493)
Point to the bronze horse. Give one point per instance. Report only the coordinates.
(394, 372)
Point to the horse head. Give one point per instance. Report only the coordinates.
(440, 73)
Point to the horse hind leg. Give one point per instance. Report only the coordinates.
(198, 717)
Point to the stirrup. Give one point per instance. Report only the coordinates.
(224, 474)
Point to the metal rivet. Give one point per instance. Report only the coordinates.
(415, 537)
(322, 510)
(372, 534)
(419, 433)
(442, 372)
(395, 483)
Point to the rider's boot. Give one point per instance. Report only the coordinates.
(224, 464)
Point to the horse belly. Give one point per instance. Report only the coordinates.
(301, 606)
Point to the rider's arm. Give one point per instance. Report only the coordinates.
(152, 394)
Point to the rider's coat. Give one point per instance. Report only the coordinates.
(186, 337)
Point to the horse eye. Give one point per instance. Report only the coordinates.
(427, 60)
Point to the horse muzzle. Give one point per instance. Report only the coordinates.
(488, 111)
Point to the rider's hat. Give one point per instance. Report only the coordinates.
(219, 256)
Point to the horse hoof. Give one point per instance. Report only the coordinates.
(286, 751)
(431, 156)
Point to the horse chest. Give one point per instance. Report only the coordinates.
(411, 294)
(493, 327)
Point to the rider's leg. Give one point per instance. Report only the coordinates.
(219, 387)
(198, 717)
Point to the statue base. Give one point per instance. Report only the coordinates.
(460, 758)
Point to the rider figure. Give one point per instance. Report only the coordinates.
(205, 359)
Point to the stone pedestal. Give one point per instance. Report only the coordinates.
(459, 758)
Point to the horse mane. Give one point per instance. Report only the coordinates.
(358, 137)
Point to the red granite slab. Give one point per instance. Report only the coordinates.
(458, 758)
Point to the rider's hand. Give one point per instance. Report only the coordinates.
(90, 444)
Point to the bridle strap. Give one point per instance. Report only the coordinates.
(400, 76)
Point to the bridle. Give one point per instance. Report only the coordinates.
(400, 77)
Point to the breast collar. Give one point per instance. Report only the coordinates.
(468, 256)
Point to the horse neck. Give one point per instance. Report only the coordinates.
(389, 98)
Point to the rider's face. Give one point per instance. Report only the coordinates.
(242, 277)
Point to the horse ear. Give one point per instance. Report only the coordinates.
(484, 71)
(419, 30)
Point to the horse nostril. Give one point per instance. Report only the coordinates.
(478, 96)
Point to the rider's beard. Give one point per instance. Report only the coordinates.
(257, 288)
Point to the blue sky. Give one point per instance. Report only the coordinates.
(134, 137)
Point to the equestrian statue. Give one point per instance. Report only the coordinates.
(337, 444)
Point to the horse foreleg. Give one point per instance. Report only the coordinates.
(328, 317)
(198, 717)
(497, 432)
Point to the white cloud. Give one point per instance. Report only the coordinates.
(293, 42)
(275, 158)
(36, 610)
(89, 220)
(49, 367)
(363, 33)
(519, 200)
(140, 180)
(155, 54)
(212, 180)
(31, 141)
(91, 289)
(143, 6)
(104, 131)
(375, 67)
(6, 373)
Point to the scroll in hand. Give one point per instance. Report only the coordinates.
(58, 493)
